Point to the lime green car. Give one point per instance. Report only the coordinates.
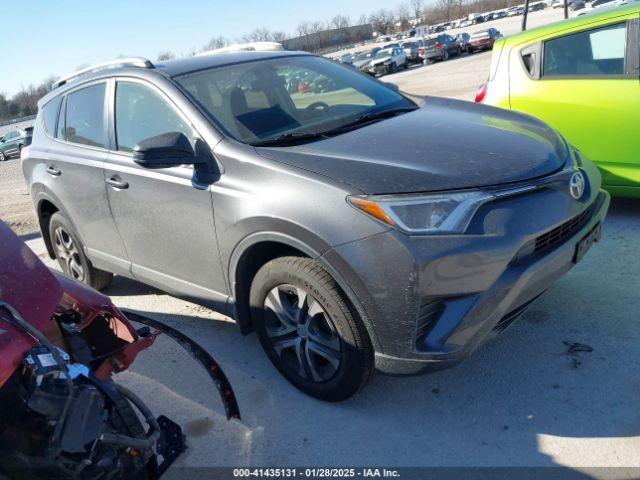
(582, 77)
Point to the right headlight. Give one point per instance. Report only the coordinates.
(416, 214)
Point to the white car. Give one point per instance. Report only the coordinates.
(596, 4)
(557, 4)
(388, 60)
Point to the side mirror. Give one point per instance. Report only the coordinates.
(167, 150)
(1, 139)
(392, 86)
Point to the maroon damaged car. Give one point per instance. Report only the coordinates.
(483, 40)
(61, 415)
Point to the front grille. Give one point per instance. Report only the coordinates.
(512, 316)
(559, 234)
(428, 314)
(553, 238)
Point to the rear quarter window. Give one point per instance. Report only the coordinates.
(50, 115)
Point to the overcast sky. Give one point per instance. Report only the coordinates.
(47, 37)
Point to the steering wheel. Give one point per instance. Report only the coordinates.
(317, 106)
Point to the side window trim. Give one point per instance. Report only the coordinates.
(632, 61)
(623, 76)
(57, 117)
(154, 88)
(62, 120)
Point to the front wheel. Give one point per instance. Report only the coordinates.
(309, 329)
(2, 157)
(69, 252)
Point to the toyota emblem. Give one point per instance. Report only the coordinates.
(576, 185)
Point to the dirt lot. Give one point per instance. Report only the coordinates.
(15, 203)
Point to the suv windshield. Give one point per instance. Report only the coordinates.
(290, 96)
(383, 54)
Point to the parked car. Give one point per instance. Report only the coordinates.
(576, 5)
(463, 41)
(483, 40)
(362, 60)
(534, 7)
(388, 60)
(60, 410)
(12, 142)
(557, 4)
(596, 4)
(591, 63)
(207, 178)
(515, 11)
(346, 59)
(411, 50)
(439, 48)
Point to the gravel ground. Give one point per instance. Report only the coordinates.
(16, 208)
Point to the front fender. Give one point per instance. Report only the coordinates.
(312, 246)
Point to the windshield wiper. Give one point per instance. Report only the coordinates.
(369, 117)
(287, 138)
(293, 137)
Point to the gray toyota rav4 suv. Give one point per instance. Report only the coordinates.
(350, 227)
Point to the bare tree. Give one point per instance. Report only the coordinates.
(417, 9)
(166, 55)
(402, 16)
(445, 8)
(215, 43)
(278, 36)
(382, 21)
(340, 22)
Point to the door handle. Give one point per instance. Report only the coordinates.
(117, 183)
(54, 172)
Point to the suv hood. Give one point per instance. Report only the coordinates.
(446, 145)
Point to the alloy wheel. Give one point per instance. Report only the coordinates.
(68, 254)
(2, 158)
(301, 333)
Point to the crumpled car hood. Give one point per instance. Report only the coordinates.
(446, 145)
(31, 289)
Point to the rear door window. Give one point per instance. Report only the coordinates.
(596, 52)
(85, 116)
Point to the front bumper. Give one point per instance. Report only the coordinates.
(379, 69)
(433, 299)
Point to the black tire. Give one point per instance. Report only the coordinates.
(445, 56)
(352, 344)
(2, 157)
(70, 254)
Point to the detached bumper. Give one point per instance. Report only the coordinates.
(433, 299)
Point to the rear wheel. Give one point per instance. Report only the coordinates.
(309, 330)
(445, 55)
(2, 157)
(70, 254)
